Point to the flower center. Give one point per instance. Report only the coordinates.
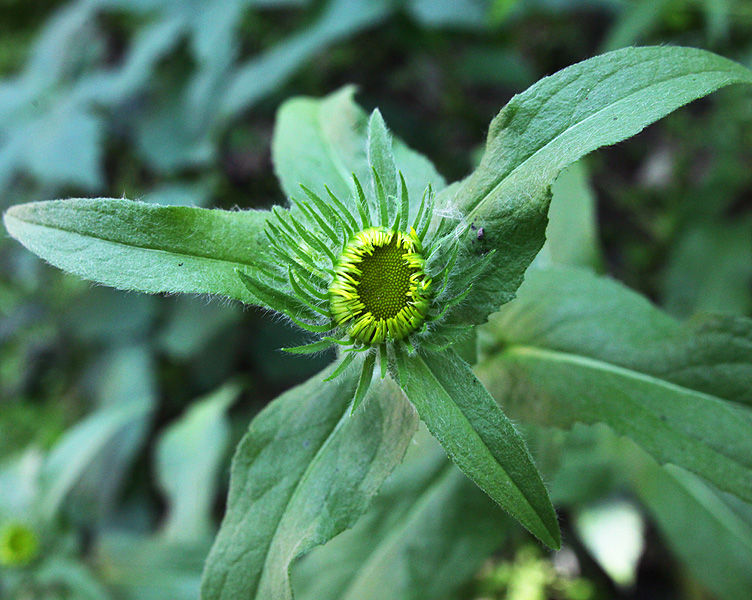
(380, 286)
(384, 280)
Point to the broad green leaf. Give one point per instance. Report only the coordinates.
(480, 439)
(305, 471)
(428, 532)
(576, 348)
(137, 246)
(86, 467)
(697, 522)
(188, 456)
(597, 102)
(71, 579)
(703, 532)
(322, 142)
(81, 446)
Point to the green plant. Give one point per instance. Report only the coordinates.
(312, 461)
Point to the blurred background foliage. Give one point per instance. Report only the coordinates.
(118, 411)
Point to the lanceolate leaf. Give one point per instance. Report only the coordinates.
(137, 246)
(578, 348)
(561, 118)
(306, 470)
(322, 142)
(428, 532)
(480, 440)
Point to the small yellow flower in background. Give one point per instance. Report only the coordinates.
(18, 544)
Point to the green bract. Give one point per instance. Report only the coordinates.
(364, 274)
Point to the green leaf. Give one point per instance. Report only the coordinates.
(480, 440)
(81, 446)
(428, 532)
(597, 102)
(189, 454)
(320, 142)
(701, 529)
(137, 246)
(578, 348)
(305, 471)
(126, 387)
(150, 568)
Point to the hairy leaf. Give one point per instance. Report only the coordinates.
(322, 142)
(578, 348)
(428, 532)
(480, 440)
(137, 246)
(305, 471)
(597, 102)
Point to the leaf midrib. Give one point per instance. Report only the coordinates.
(296, 491)
(474, 207)
(570, 358)
(99, 238)
(516, 486)
(586, 361)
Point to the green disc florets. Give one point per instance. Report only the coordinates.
(380, 288)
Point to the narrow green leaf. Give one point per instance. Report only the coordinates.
(576, 348)
(402, 217)
(366, 375)
(597, 102)
(480, 440)
(312, 348)
(137, 246)
(287, 304)
(291, 492)
(341, 366)
(81, 447)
